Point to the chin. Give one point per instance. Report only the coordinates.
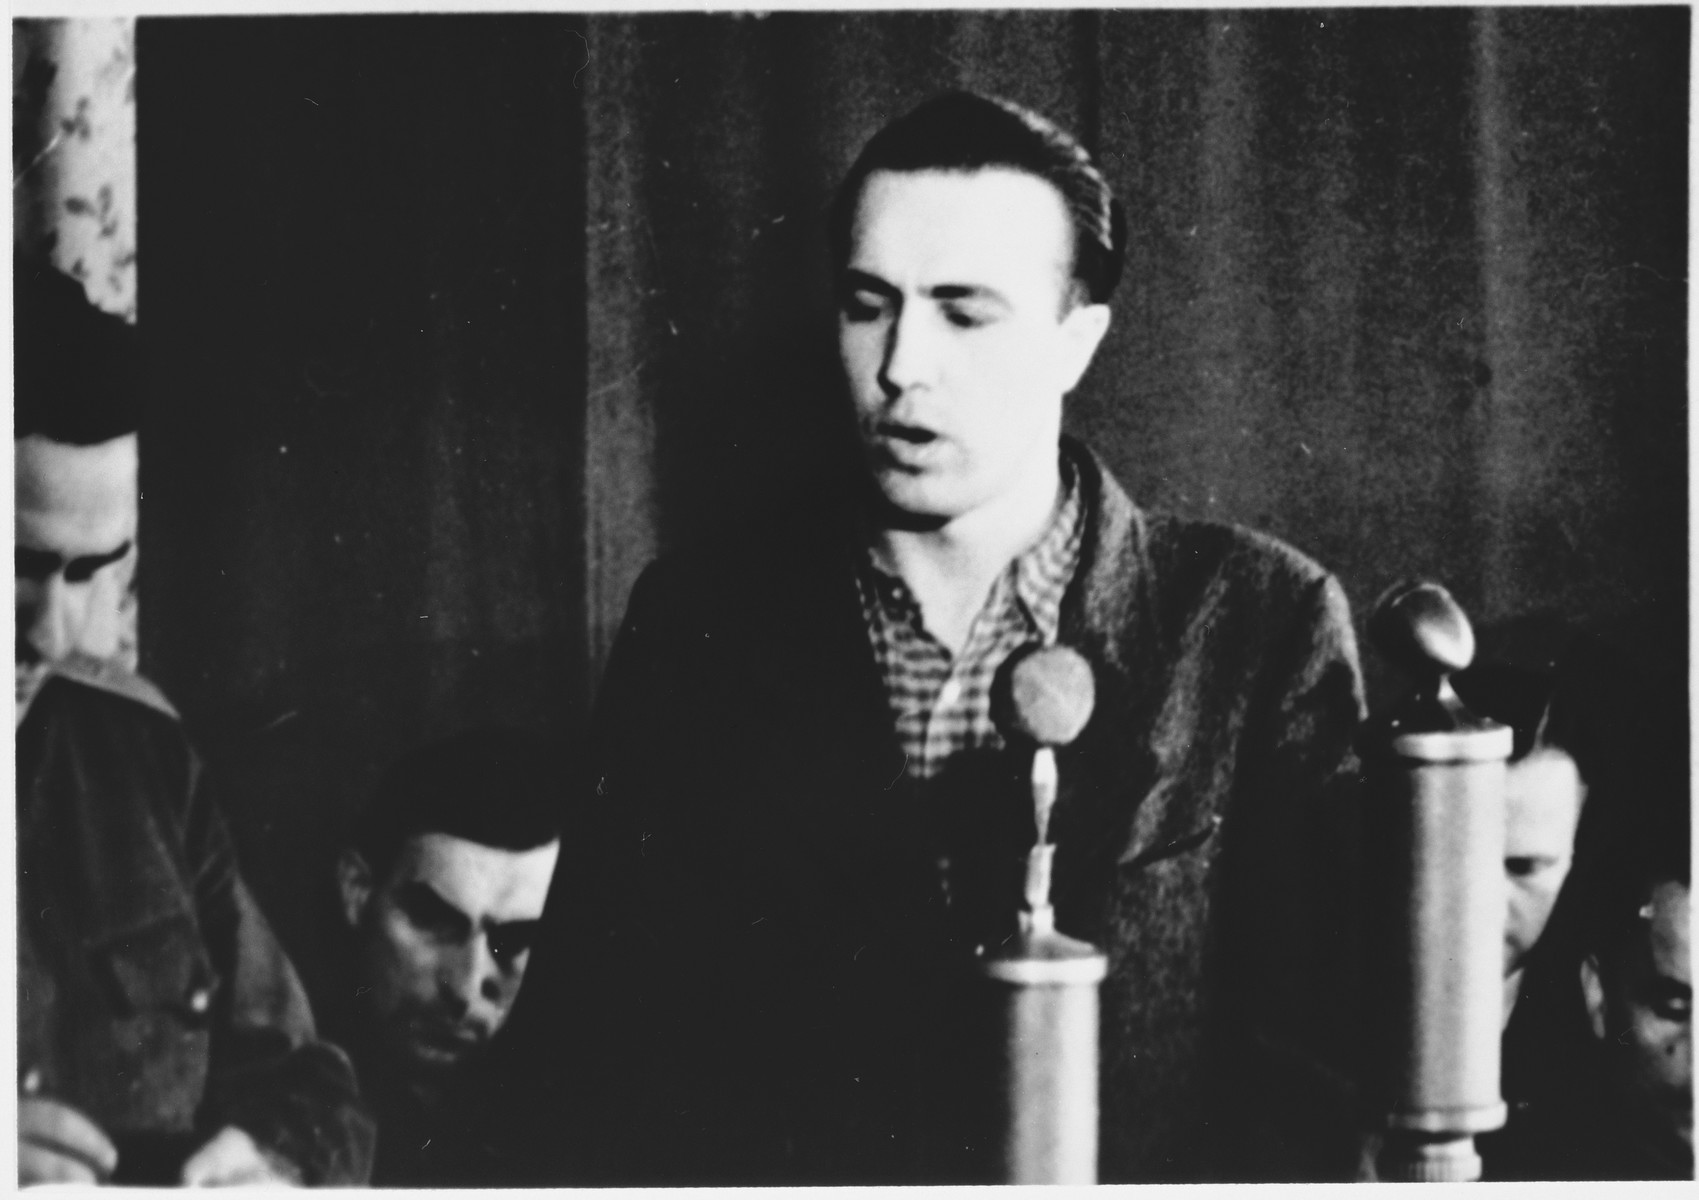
(916, 499)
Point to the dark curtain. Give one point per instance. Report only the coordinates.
(458, 320)
(365, 298)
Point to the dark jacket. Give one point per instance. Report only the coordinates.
(787, 904)
(457, 1139)
(152, 994)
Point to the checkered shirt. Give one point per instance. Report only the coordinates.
(942, 704)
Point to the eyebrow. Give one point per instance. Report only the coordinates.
(419, 892)
(860, 281)
(431, 904)
(39, 564)
(517, 923)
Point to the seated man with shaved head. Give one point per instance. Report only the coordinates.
(163, 1036)
(442, 884)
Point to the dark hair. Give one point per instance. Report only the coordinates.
(959, 131)
(1648, 845)
(77, 371)
(1520, 697)
(493, 786)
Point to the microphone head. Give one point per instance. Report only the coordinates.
(1421, 628)
(1043, 694)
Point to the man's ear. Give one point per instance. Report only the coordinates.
(354, 881)
(1593, 992)
(1082, 329)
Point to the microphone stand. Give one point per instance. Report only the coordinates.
(1044, 983)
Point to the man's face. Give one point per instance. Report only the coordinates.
(1641, 1006)
(444, 942)
(1543, 796)
(957, 337)
(75, 549)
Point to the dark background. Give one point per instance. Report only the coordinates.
(460, 319)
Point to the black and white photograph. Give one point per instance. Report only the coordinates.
(890, 596)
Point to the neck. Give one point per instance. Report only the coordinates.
(1512, 990)
(950, 569)
(28, 682)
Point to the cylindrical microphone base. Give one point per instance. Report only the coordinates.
(1444, 822)
(1428, 1158)
(1439, 820)
(1045, 987)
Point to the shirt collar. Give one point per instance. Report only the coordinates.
(1040, 574)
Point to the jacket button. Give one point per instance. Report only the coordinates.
(200, 1000)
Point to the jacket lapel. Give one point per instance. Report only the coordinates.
(1119, 806)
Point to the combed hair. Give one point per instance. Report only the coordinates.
(493, 786)
(1651, 846)
(961, 131)
(78, 372)
(1520, 697)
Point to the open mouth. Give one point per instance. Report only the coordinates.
(912, 435)
(906, 447)
(433, 1040)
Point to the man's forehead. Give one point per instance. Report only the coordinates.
(484, 882)
(961, 227)
(87, 485)
(1543, 798)
(1671, 931)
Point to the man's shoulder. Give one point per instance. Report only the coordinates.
(1182, 582)
(115, 682)
(774, 561)
(1188, 553)
(111, 717)
(1234, 551)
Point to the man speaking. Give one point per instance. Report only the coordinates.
(823, 823)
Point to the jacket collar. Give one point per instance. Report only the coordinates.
(1129, 806)
(1107, 608)
(103, 675)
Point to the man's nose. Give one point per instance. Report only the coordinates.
(910, 353)
(46, 616)
(471, 980)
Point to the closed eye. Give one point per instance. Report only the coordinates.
(864, 297)
(35, 565)
(1671, 1000)
(970, 316)
(860, 307)
(511, 940)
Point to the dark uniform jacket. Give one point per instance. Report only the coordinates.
(152, 994)
(457, 1140)
(784, 902)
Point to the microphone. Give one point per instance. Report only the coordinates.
(1043, 696)
(1435, 854)
(1044, 983)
